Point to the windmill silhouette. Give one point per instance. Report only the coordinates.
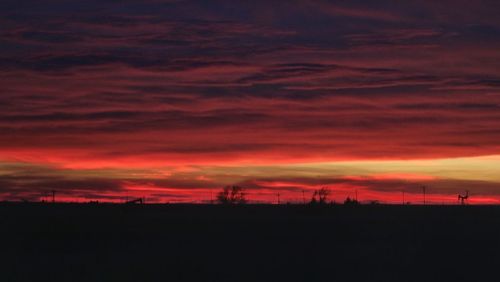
(463, 198)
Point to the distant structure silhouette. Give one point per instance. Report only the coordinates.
(53, 196)
(463, 198)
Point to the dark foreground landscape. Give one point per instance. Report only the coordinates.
(70, 242)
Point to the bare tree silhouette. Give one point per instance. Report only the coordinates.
(320, 196)
(232, 195)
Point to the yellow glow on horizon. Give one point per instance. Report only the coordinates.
(484, 168)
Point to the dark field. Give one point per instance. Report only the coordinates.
(64, 242)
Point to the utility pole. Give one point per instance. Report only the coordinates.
(403, 198)
(423, 190)
(279, 198)
(53, 196)
(303, 197)
(356, 195)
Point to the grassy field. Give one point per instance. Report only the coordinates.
(75, 242)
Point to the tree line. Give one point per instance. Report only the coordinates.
(236, 195)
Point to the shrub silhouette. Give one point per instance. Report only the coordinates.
(350, 201)
(231, 195)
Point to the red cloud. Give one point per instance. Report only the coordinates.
(184, 86)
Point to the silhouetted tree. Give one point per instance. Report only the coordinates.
(320, 196)
(232, 195)
(350, 201)
(313, 200)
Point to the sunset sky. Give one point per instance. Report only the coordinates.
(173, 100)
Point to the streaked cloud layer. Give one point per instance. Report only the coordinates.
(170, 99)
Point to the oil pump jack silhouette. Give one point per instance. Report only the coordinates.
(463, 198)
(135, 201)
